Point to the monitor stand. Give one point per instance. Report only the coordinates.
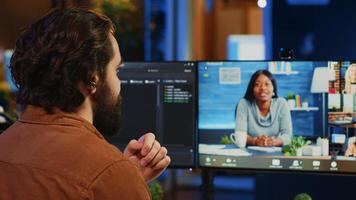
(207, 184)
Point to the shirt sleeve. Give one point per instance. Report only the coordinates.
(121, 180)
(285, 120)
(241, 116)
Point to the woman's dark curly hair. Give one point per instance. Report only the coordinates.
(56, 53)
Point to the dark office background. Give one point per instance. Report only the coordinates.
(322, 31)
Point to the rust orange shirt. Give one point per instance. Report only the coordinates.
(63, 156)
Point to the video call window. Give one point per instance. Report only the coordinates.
(160, 98)
(226, 119)
(342, 108)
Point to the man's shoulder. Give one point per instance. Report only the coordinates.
(70, 151)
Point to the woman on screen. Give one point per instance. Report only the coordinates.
(351, 149)
(262, 114)
(350, 79)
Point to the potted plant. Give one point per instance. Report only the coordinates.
(291, 100)
(225, 140)
(128, 17)
(303, 196)
(295, 146)
(156, 190)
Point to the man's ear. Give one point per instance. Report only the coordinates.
(92, 85)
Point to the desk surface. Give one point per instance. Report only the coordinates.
(233, 150)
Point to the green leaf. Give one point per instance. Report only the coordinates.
(287, 154)
(225, 140)
(296, 142)
(286, 148)
(156, 190)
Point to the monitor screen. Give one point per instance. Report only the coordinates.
(269, 125)
(160, 98)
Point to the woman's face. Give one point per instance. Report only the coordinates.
(353, 74)
(263, 88)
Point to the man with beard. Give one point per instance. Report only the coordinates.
(65, 67)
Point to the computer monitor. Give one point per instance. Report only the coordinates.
(8, 78)
(302, 86)
(160, 97)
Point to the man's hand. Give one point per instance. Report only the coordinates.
(148, 155)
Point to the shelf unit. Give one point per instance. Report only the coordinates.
(305, 109)
(285, 73)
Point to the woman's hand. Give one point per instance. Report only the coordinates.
(266, 141)
(263, 141)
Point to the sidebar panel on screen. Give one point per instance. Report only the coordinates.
(160, 98)
(178, 110)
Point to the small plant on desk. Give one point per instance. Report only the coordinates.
(295, 144)
(225, 140)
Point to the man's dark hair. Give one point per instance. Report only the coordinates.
(57, 53)
(249, 92)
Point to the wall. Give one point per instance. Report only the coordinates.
(321, 31)
(214, 20)
(15, 15)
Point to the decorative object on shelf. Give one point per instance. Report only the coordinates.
(291, 100)
(311, 150)
(305, 103)
(323, 143)
(288, 67)
(281, 68)
(272, 67)
(297, 100)
(295, 146)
